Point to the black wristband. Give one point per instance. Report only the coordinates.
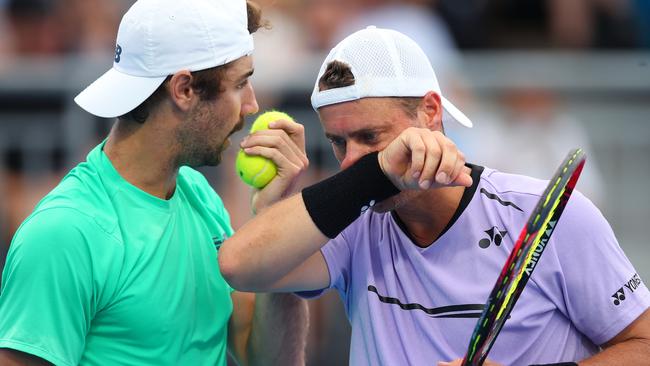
(556, 364)
(336, 202)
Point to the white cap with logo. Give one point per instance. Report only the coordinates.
(157, 38)
(385, 63)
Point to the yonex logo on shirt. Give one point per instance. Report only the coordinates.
(619, 296)
(494, 236)
(631, 286)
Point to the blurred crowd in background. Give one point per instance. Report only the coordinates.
(63, 27)
(496, 58)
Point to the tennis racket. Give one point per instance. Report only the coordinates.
(524, 257)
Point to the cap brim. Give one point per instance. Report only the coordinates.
(115, 94)
(455, 113)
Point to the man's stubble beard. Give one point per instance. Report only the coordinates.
(193, 138)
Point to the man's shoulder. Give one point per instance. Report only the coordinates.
(56, 219)
(516, 184)
(61, 231)
(79, 199)
(523, 187)
(520, 194)
(506, 195)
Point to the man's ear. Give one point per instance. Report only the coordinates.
(180, 90)
(430, 111)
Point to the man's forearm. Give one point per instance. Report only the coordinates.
(287, 234)
(279, 331)
(631, 352)
(270, 246)
(11, 357)
(630, 347)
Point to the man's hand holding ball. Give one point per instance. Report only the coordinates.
(272, 157)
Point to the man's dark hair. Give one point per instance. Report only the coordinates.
(206, 83)
(339, 74)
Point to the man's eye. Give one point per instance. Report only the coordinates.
(336, 141)
(368, 138)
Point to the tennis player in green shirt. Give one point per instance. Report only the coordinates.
(118, 264)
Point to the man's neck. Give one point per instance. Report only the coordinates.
(426, 216)
(143, 156)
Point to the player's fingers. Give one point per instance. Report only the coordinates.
(433, 155)
(276, 139)
(464, 178)
(271, 139)
(286, 167)
(462, 175)
(458, 167)
(296, 131)
(448, 158)
(418, 150)
(297, 145)
(403, 160)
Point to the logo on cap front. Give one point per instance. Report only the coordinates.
(118, 53)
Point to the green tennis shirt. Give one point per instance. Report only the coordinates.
(102, 273)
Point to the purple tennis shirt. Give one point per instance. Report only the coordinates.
(414, 306)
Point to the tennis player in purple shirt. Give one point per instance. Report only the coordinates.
(413, 238)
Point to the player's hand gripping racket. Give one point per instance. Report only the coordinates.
(524, 257)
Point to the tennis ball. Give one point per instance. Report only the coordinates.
(258, 171)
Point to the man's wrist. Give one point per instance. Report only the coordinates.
(336, 202)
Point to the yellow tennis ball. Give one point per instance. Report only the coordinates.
(258, 171)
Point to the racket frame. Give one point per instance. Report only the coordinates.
(520, 265)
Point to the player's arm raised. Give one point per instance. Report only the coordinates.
(272, 328)
(279, 249)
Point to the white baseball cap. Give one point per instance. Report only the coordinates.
(385, 63)
(157, 38)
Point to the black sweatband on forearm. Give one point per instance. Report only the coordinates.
(556, 364)
(336, 202)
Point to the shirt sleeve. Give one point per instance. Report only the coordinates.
(338, 256)
(45, 298)
(600, 291)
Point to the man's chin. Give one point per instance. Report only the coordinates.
(212, 158)
(215, 158)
